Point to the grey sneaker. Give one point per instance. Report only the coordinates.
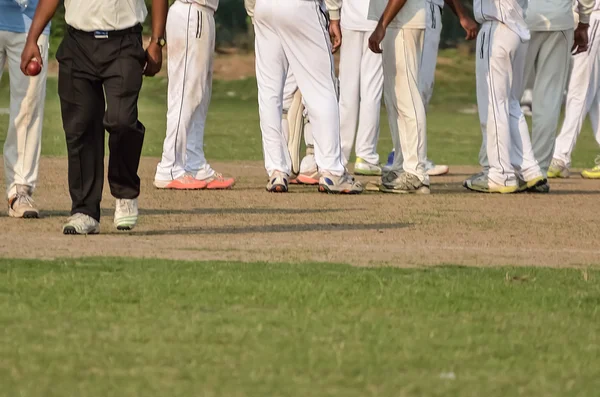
(344, 184)
(126, 214)
(21, 205)
(402, 182)
(470, 180)
(278, 183)
(81, 224)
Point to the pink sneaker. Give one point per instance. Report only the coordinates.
(185, 182)
(218, 182)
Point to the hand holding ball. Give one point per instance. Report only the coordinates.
(34, 68)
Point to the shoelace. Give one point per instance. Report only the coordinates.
(23, 199)
(126, 205)
(597, 161)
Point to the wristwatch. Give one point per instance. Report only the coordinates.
(160, 41)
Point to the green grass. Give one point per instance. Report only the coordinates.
(233, 130)
(116, 327)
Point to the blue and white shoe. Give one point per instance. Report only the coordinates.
(344, 184)
(278, 183)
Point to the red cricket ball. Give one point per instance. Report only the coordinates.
(34, 68)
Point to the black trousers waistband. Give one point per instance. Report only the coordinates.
(103, 34)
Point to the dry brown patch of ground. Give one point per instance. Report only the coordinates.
(451, 226)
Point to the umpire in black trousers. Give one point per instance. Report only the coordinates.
(101, 66)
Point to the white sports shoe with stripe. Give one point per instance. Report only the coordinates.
(126, 214)
(81, 224)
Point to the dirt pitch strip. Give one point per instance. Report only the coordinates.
(451, 226)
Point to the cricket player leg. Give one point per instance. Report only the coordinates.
(24, 135)
(553, 51)
(309, 172)
(431, 45)
(523, 160)
(189, 68)
(496, 45)
(82, 108)
(371, 91)
(406, 111)
(581, 92)
(594, 172)
(200, 62)
(289, 90)
(122, 81)
(350, 59)
(271, 71)
(305, 39)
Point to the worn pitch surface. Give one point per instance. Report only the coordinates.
(451, 226)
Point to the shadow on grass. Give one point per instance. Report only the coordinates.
(281, 228)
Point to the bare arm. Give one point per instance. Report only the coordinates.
(160, 8)
(334, 7)
(468, 23)
(391, 10)
(43, 14)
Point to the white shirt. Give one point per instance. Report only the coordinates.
(92, 15)
(411, 16)
(210, 4)
(555, 15)
(510, 12)
(440, 3)
(354, 16)
(333, 6)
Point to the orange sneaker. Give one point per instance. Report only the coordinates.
(218, 182)
(185, 182)
(308, 179)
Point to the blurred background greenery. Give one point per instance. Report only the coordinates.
(234, 30)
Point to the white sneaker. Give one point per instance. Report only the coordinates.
(436, 170)
(345, 184)
(81, 224)
(278, 183)
(363, 167)
(126, 214)
(21, 205)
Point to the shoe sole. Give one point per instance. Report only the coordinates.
(421, 190)
(326, 189)
(367, 173)
(539, 184)
(306, 180)
(471, 188)
(438, 173)
(70, 230)
(585, 176)
(164, 185)
(26, 215)
(277, 189)
(558, 176)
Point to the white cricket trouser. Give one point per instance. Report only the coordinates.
(191, 35)
(23, 142)
(547, 64)
(406, 111)
(293, 34)
(583, 96)
(361, 89)
(429, 56)
(431, 45)
(500, 68)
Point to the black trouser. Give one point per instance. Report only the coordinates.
(91, 69)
